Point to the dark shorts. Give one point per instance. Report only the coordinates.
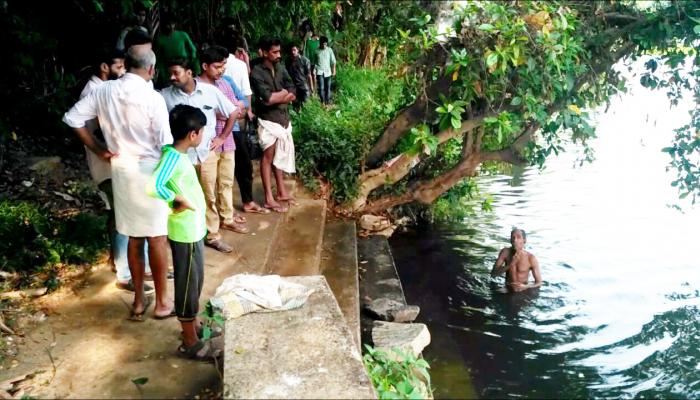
(188, 263)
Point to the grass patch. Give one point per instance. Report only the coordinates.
(36, 240)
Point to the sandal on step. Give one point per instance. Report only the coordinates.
(139, 317)
(291, 201)
(256, 209)
(203, 350)
(277, 208)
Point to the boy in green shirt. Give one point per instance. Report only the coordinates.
(175, 181)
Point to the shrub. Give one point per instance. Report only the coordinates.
(32, 238)
(331, 144)
(399, 375)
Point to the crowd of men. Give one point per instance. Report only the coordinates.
(165, 160)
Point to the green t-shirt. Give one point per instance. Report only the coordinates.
(175, 175)
(176, 45)
(310, 49)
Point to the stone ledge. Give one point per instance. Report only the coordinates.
(303, 354)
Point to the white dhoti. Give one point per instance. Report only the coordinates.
(137, 214)
(271, 132)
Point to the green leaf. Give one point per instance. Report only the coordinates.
(456, 123)
(516, 101)
(491, 59)
(696, 29)
(486, 27)
(140, 381)
(206, 332)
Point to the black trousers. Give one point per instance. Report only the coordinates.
(188, 263)
(302, 96)
(244, 167)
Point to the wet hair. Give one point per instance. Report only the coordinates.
(180, 62)
(106, 57)
(269, 44)
(185, 119)
(136, 37)
(213, 54)
(139, 58)
(515, 229)
(323, 40)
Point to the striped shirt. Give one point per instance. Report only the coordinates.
(175, 175)
(229, 145)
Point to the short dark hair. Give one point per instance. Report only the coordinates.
(107, 57)
(269, 44)
(213, 54)
(264, 43)
(322, 40)
(180, 62)
(185, 119)
(136, 37)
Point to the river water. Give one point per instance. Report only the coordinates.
(618, 315)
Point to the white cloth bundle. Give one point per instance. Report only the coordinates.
(243, 293)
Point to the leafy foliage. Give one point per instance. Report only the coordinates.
(32, 239)
(398, 375)
(331, 143)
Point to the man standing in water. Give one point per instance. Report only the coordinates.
(517, 263)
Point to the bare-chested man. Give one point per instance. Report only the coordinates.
(517, 263)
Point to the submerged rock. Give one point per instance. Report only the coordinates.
(410, 338)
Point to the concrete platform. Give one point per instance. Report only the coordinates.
(339, 266)
(297, 249)
(306, 353)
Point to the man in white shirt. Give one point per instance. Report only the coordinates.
(109, 66)
(134, 121)
(208, 98)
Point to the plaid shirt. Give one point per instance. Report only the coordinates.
(229, 145)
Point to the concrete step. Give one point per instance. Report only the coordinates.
(305, 353)
(378, 278)
(339, 266)
(296, 249)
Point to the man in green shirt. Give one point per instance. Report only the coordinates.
(324, 65)
(173, 44)
(175, 181)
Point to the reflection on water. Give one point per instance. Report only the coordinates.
(618, 315)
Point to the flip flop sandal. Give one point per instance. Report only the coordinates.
(139, 317)
(218, 245)
(234, 227)
(207, 350)
(256, 210)
(291, 202)
(172, 314)
(239, 219)
(277, 209)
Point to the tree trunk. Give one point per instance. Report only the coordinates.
(398, 168)
(426, 191)
(406, 119)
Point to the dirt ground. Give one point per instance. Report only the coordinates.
(77, 342)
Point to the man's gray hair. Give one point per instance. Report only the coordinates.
(138, 57)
